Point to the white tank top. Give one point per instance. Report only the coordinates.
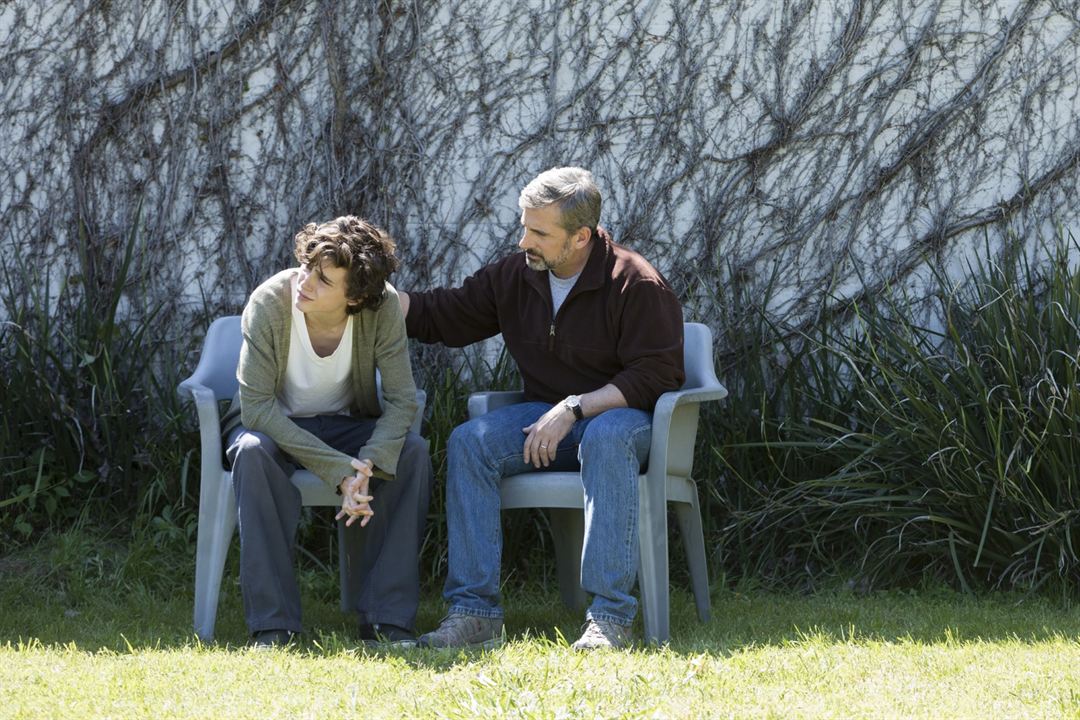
(316, 385)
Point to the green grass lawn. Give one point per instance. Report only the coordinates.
(89, 630)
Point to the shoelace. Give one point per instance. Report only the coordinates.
(594, 629)
(451, 623)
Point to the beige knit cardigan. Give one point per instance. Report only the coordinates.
(378, 341)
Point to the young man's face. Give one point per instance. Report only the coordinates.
(321, 289)
(546, 244)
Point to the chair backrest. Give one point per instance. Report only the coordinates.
(700, 374)
(698, 356)
(220, 356)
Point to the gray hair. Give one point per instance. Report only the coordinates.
(572, 189)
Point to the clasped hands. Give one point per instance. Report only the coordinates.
(542, 438)
(355, 500)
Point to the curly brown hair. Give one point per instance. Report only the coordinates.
(366, 251)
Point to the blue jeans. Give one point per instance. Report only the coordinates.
(609, 450)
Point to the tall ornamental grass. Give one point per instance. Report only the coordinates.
(90, 426)
(884, 451)
(867, 447)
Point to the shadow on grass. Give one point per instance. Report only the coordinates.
(95, 597)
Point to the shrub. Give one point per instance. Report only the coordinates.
(91, 421)
(888, 451)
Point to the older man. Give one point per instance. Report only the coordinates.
(597, 335)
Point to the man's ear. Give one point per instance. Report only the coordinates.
(582, 236)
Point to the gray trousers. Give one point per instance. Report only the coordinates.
(269, 511)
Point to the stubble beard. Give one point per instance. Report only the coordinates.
(539, 262)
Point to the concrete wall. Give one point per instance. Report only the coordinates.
(821, 148)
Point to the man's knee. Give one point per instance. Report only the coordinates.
(464, 438)
(622, 437)
(601, 436)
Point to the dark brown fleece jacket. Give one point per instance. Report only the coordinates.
(620, 324)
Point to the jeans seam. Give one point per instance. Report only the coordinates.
(635, 508)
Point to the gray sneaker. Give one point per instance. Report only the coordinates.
(603, 634)
(459, 631)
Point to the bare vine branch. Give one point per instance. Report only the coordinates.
(820, 137)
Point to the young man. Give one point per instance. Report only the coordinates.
(313, 337)
(597, 335)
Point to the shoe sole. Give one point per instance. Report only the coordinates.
(482, 645)
(273, 643)
(391, 644)
(590, 648)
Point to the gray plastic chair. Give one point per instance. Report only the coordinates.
(666, 480)
(215, 380)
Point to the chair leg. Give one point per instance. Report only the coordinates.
(568, 534)
(689, 518)
(653, 561)
(217, 522)
(349, 547)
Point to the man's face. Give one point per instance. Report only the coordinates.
(546, 244)
(321, 289)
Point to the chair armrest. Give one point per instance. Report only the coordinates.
(206, 406)
(685, 423)
(199, 379)
(481, 403)
(666, 404)
(670, 400)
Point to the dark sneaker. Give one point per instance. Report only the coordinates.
(463, 631)
(268, 639)
(600, 634)
(385, 635)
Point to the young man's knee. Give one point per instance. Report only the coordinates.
(251, 447)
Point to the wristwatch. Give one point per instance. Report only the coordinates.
(573, 404)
